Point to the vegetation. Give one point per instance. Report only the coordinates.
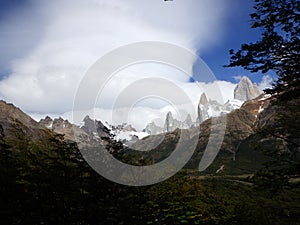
(277, 51)
(278, 48)
(45, 180)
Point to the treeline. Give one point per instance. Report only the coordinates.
(46, 181)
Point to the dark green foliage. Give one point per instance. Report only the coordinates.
(8, 174)
(277, 50)
(247, 160)
(46, 181)
(184, 200)
(280, 140)
(194, 200)
(279, 46)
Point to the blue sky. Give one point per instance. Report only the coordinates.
(46, 46)
(237, 31)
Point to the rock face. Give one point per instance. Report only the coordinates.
(47, 122)
(208, 108)
(203, 100)
(95, 128)
(61, 126)
(171, 124)
(153, 129)
(246, 90)
(240, 124)
(90, 133)
(203, 106)
(11, 118)
(88, 125)
(187, 123)
(129, 127)
(258, 105)
(13, 121)
(10, 112)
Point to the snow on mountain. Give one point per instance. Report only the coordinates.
(129, 136)
(164, 119)
(153, 129)
(126, 133)
(245, 90)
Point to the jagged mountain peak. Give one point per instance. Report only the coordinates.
(94, 127)
(152, 128)
(87, 118)
(188, 118)
(187, 123)
(47, 122)
(129, 127)
(203, 100)
(245, 79)
(246, 90)
(169, 115)
(171, 123)
(48, 118)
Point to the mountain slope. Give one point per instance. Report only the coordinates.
(240, 125)
(12, 117)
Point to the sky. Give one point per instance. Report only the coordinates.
(48, 46)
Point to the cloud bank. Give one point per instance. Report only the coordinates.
(51, 44)
(70, 35)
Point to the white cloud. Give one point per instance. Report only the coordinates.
(72, 35)
(266, 82)
(65, 37)
(151, 108)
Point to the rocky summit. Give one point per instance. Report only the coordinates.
(171, 124)
(246, 90)
(203, 100)
(153, 129)
(240, 124)
(187, 123)
(203, 107)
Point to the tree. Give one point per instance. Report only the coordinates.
(278, 48)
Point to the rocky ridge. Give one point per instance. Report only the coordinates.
(245, 90)
(240, 124)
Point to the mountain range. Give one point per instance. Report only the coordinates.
(245, 90)
(92, 131)
(126, 133)
(241, 123)
(46, 180)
